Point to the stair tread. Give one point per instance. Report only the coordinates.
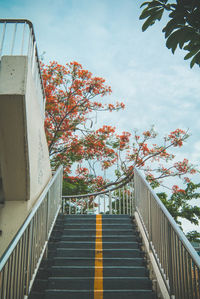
(68, 272)
(107, 294)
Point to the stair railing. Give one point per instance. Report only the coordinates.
(20, 262)
(177, 260)
(118, 200)
(17, 38)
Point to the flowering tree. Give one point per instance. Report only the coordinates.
(73, 96)
(157, 161)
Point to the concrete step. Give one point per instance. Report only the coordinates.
(88, 271)
(74, 252)
(85, 216)
(109, 283)
(40, 284)
(93, 220)
(84, 261)
(37, 295)
(68, 272)
(91, 245)
(107, 238)
(122, 238)
(107, 294)
(92, 232)
(111, 226)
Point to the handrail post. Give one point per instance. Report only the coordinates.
(169, 258)
(110, 203)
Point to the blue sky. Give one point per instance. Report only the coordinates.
(105, 36)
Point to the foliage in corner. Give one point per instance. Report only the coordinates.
(183, 27)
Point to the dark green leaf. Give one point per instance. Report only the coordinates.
(145, 3)
(151, 20)
(195, 60)
(192, 53)
(171, 25)
(154, 4)
(148, 12)
(173, 41)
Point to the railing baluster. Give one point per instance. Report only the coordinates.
(18, 265)
(16, 46)
(123, 200)
(76, 205)
(98, 205)
(22, 47)
(13, 40)
(69, 206)
(110, 203)
(2, 40)
(120, 202)
(86, 205)
(172, 251)
(115, 198)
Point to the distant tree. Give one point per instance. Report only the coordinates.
(179, 204)
(193, 236)
(180, 207)
(183, 27)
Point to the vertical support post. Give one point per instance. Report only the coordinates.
(87, 203)
(115, 197)
(133, 195)
(69, 206)
(2, 41)
(123, 200)
(169, 257)
(13, 40)
(22, 47)
(110, 203)
(98, 204)
(149, 216)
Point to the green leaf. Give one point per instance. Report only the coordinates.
(195, 60)
(154, 4)
(144, 3)
(148, 12)
(151, 20)
(192, 53)
(171, 25)
(177, 37)
(185, 36)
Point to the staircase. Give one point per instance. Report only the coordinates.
(91, 257)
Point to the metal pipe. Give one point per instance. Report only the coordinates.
(2, 40)
(13, 40)
(170, 247)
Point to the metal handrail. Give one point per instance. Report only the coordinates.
(29, 45)
(177, 260)
(117, 202)
(20, 262)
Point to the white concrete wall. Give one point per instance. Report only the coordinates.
(24, 158)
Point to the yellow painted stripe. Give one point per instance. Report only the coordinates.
(98, 276)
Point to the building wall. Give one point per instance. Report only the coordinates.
(24, 158)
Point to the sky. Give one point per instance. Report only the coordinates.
(105, 36)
